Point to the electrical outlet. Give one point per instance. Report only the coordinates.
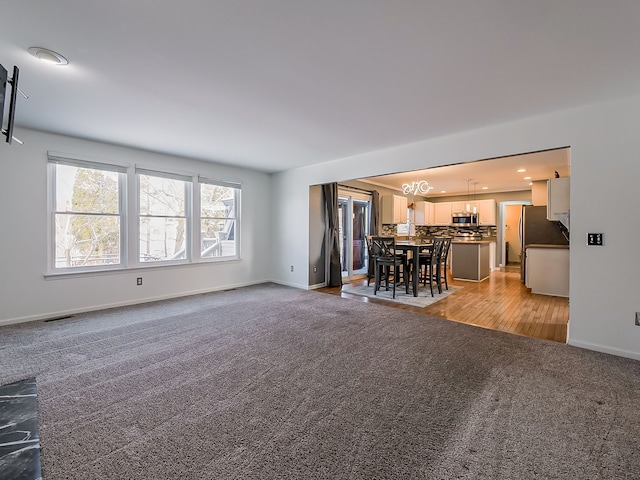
(315, 269)
(292, 268)
(638, 318)
(139, 281)
(596, 239)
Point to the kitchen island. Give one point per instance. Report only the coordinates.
(470, 259)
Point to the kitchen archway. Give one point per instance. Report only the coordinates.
(501, 302)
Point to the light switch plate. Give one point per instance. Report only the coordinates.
(596, 239)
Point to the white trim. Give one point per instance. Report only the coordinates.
(198, 218)
(129, 213)
(603, 349)
(75, 311)
(352, 196)
(220, 183)
(138, 268)
(81, 160)
(172, 174)
(317, 285)
(501, 230)
(238, 225)
(186, 216)
(289, 284)
(52, 211)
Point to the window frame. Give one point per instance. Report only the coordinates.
(408, 227)
(188, 216)
(53, 160)
(237, 196)
(130, 218)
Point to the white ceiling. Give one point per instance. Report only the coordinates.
(497, 174)
(278, 84)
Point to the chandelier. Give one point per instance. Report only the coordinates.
(419, 187)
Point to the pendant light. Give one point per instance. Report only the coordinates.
(475, 208)
(468, 209)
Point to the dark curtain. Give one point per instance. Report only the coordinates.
(334, 277)
(374, 226)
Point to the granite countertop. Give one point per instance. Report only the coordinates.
(545, 245)
(414, 241)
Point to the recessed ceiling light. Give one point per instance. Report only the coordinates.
(527, 178)
(485, 188)
(521, 170)
(530, 183)
(48, 56)
(443, 191)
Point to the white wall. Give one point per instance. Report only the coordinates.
(24, 292)
(605, 168)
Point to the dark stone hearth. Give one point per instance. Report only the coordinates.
(19, 437)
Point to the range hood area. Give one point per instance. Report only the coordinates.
(563, 218)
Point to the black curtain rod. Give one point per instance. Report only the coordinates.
(347, 187)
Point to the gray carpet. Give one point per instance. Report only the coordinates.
(271, 382)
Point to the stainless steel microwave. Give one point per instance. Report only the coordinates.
(464, 219)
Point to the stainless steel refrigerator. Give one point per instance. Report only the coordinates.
(535, 229)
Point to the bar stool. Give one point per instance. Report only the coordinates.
(384, 251)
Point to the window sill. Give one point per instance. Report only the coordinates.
(138, 268)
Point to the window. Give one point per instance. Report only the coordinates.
(87, 215)
(218, 218)
(409, 227)
(175, 220)
(164, 216)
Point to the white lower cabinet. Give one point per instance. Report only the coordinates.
(547, 270)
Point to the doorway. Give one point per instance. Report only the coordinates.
(354, 219)
(509, 233)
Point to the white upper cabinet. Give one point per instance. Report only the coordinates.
(423, 213)
(539, 193)
(458, 207)
(486, 211)
(394, 209)
(558, 194)
(442, 213)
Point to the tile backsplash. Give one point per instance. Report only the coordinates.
(488, 232)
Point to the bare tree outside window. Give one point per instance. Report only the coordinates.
(90, 215)
(162, 218)
(218, 220)
(87, 217)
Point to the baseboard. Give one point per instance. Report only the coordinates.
(303, 287)
(604, 349)
(288, 284)
(75, 311)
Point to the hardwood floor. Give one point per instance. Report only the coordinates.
(501, 302)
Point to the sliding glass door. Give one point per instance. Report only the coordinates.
(354, 215)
